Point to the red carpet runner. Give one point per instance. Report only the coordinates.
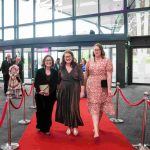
(110, 136)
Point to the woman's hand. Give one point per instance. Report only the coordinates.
(82, 93)
(109, 92)
(41, 92)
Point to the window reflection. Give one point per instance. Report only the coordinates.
(25, 11)
(90, 25)
(43, 30)
(112, 5)
(9, 34)
(138, 23)
(0, 13)
(43, 10)
(0, 34)
(112, 24)
(8, 11)
(25, 32)
(63, 9)
(138, 4)
(60, 28)
(85, 7)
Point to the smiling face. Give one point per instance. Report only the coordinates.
(97, 51)
(48, 62)
(68, 58)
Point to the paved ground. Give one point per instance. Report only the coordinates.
(132, 116)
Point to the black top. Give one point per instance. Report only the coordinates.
(41, 79)
(5, 66)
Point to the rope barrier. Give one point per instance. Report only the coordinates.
(136, 104)
(4, 113)
(22, 98)
(31, 89)
(115, 92)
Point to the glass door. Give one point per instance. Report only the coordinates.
(1, 60)
(27, 56)
(141, 65)
(39, 54)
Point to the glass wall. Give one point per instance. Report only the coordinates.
(141, 65)
(138, 23)
(8, 11)
(42, 18)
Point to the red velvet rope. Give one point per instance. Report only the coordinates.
(32, 86)
(148, 102)
(115, 92)
(4, 113)
(136, 104)
(22, 98)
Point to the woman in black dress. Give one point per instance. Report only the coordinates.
(71, 79)
(45, 83)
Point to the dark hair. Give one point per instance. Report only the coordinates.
(63, 63)
(83, 59)
(101, 49)
(43, 62)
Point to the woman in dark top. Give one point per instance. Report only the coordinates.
(45, 97)
(71, 77)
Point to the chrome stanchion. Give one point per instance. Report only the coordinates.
(24, 121)
(117, 120)
(142, 146)
(33, 99)
(9, 145)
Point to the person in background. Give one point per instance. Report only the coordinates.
(83, 64)
(71, 81)
(57, 64)
(99, 98)
(46, 80)
(19, 63)
(5, 70)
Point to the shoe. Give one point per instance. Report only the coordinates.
(68, 132)
(75, 132)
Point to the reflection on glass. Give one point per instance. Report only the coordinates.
(141, 65)
(90, 25)
(0, 34)
(112, 24)
(27, 65)
(0, 13)
(138, 23)
(8, 11)
(9, 34)
(85, 7)
(43, 10)
(43, 30)
(112, 5)
(138, 4)
(63, 28)
(1, 60)
(63, 9)
(25, 11)
(25, 32)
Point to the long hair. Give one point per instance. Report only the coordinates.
(63, 63)
(101, 49)
(43, 62)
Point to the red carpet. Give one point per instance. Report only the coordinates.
(110, 136)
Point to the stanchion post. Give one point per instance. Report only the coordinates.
(33, 99)
(142, 146)
(9, 145)
(116, 119)
(24, 121)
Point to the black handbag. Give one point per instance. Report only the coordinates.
(104, 83)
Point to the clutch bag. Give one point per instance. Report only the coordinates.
(104, 83)
(45, 88)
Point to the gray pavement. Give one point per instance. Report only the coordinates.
(132, 116)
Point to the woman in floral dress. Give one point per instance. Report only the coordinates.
(99, 99)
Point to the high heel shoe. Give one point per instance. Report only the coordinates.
(75, 132)
(68, 132)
